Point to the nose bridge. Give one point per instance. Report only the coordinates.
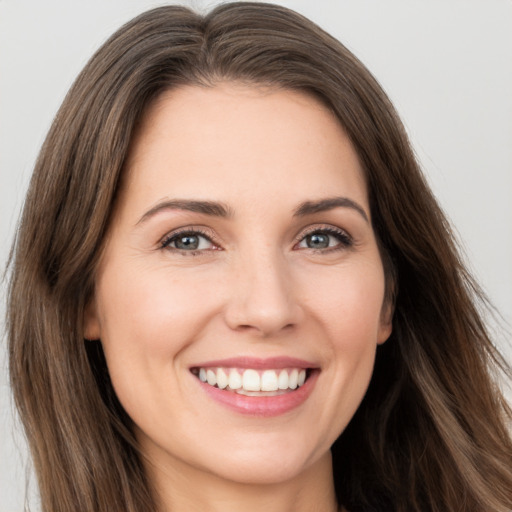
(262, 295)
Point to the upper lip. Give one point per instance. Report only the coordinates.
(257, 363)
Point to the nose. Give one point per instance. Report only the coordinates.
(262, 297)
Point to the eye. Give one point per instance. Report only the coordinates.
(325, 238)
(188, 241)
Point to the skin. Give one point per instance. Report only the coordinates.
(256, 288)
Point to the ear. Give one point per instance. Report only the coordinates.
(386, 322)
(92, 328)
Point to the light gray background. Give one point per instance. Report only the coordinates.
(446, 64)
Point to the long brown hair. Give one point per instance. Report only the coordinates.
(430, 434)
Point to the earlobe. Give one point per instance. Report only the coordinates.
(386, 324)
(92, 330)
(385, 330)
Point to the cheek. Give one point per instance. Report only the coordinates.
(147, 320)
(348, 302)
(347, 305)
(147, 310)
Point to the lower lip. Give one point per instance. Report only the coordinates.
(266, 406)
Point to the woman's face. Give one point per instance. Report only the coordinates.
(241, 252)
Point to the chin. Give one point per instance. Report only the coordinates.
(263, 462)
(269, 471)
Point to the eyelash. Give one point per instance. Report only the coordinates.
(173, 237)
(344, 239)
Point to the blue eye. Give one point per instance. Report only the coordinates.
(188, 241)
(325, 239)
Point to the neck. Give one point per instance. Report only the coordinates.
(188, 489)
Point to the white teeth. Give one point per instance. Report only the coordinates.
(235, 380)
(251, 381)
(292, 379)
(269, 381)
(211, 378)
(283, 380)
(222, 378)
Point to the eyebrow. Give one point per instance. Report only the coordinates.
(217, 209)
(322, 205)
(211, 208)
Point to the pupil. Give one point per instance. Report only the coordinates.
(187, 242)
(318, 241)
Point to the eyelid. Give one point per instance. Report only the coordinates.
(329, 229)
(321, 227)
(345, 238)
(197, 230)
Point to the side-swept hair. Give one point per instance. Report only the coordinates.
(430, 434)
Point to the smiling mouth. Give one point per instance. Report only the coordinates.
(253, 382)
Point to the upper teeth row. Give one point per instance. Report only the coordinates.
(251, 380)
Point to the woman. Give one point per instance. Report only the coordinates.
(232, 288)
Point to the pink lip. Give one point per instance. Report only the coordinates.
(266, 406)
(262, 406)
(271, 363)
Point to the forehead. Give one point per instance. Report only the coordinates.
(241, 143)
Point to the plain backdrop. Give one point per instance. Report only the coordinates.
(446, 64)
